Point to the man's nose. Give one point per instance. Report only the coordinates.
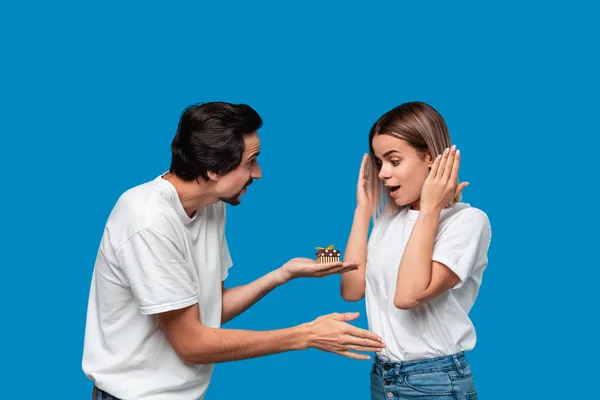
(256, 172)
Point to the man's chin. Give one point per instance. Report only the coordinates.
(234, 201)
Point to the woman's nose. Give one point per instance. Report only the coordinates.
(383, 173)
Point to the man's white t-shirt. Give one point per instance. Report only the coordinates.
(440, 326)
(153, 258)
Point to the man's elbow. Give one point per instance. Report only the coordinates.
(190, 355)
(191, 351)
(185, 352)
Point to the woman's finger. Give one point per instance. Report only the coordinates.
(362, 175)
(435, 166)
(442, 166)
(455, 166)
(460, 188)
(449, 164)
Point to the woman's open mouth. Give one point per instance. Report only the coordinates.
(394, 190)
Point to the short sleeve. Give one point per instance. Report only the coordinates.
(157, 273)
(226, 261)
(463, 244)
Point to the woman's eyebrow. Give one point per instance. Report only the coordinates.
(387, 153)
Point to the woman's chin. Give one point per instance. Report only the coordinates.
(403, 201)
(400, 202)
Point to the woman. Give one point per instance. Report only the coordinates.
(422, 265)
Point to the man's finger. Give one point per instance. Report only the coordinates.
(323, 269)
(350, 263)
(365, 342)
(368, 349)
(349, 316)
(332, 271)
(334, 265)
(337, 269)
(346, 269)
(361, 333)
(355, 356)
(357, 341)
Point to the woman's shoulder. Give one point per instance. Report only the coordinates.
(465, 214)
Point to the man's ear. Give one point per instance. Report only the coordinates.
(212, 176)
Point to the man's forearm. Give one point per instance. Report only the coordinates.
(198, 344)
(238, 299)
(222, 345)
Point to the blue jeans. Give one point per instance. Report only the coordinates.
(441, 378)
(99, 394)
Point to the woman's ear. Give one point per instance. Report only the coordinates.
(428, 159)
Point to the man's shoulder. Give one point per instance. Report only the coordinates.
(138, 208)
(136, 198)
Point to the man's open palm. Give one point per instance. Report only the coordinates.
(307, 268)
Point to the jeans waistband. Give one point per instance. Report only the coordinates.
(456, 361)
(99, 394)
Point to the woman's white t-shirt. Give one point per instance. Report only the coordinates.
(440, 326)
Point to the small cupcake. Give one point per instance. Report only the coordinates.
(329, 254)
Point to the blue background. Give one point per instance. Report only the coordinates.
(91, 95)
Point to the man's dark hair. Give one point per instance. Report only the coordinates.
(210, 137)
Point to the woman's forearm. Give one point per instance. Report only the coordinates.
(414, 273)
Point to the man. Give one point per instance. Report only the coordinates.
(157, 298)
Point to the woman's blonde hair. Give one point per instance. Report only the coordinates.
(423, 128)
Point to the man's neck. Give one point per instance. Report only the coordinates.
(193, 195)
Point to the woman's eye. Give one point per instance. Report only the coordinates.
(395, 162)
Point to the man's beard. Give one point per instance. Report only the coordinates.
(235, 200)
